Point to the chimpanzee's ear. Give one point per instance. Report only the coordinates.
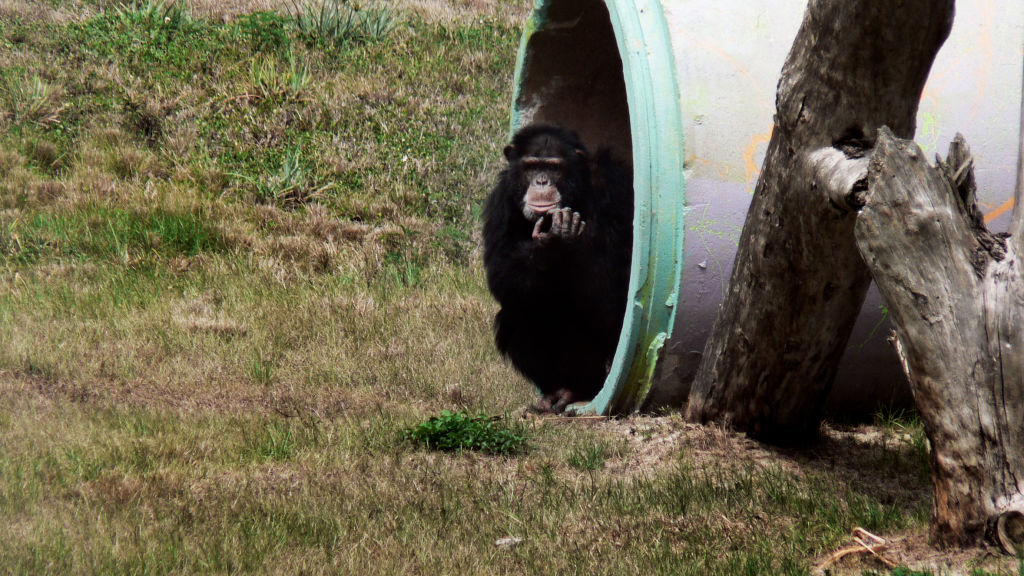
(510, 153)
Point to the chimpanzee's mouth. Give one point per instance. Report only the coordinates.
(542, 208)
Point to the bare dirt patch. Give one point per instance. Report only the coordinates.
(512, 13)
(873, 459)
(911, 549)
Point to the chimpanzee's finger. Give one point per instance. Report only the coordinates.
(537, 234)
(576, 221)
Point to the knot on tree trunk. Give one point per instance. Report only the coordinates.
(1007, 530)
(842, 174)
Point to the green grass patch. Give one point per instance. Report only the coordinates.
(105, 233)
(589, 457)
(455, 431)
(275, 442)
(265, 31)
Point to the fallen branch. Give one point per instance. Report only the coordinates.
(861, 537)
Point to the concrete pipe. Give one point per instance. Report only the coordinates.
(685, 89)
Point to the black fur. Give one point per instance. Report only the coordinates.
(562, 301)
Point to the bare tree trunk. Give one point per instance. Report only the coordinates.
(955, 292)
(799, 281)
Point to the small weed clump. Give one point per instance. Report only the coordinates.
(454, 431)
(159, 18)
(589, 458)
(339, 21)
(33, 99)
(909, 428)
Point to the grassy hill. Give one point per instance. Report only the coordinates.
(238, 262)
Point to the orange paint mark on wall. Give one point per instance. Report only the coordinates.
(1002, 209)
(750, 168)
(719, 169)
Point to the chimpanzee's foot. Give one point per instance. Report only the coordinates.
(553, 403)
(563, 397)
(542, 406)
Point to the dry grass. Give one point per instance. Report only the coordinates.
(227, 488)
(443, 11)
(34, 10)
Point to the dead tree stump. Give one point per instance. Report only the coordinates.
(955, 293)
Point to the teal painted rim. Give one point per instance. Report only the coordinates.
(656, 127)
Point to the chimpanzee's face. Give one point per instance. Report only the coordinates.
(541, 178)
(544, 164)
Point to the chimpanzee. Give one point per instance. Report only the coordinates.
(558, 237)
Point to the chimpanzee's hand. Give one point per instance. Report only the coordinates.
(565, 224)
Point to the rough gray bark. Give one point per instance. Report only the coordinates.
(1017, 222)
(955, 293)
(799, 282)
